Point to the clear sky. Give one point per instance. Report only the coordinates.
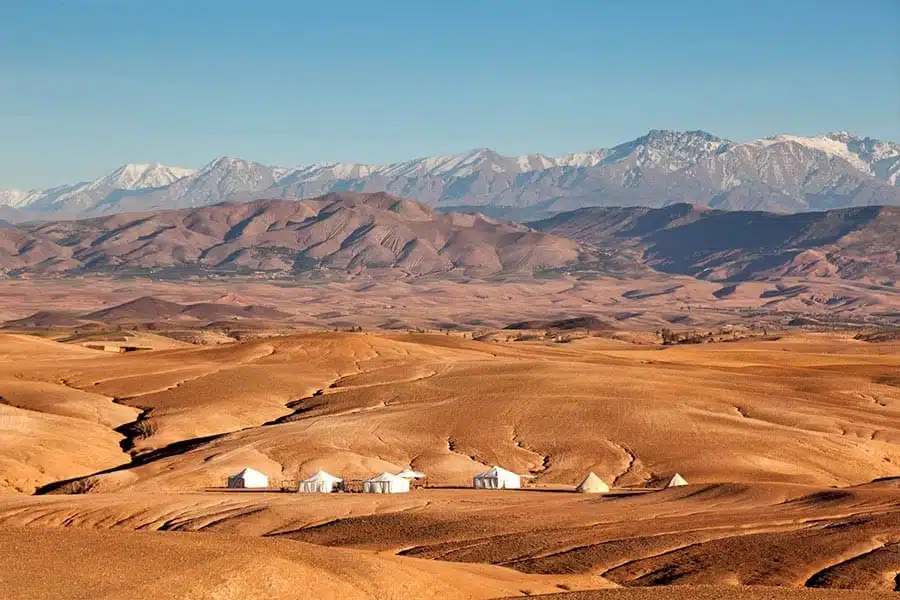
(87, 85)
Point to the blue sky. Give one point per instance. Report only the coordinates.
(87, 85)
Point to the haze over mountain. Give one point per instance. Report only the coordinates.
(784, 173)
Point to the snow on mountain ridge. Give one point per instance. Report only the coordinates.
(141, 176)
(825, 143)
(14, 198)
(482, 176)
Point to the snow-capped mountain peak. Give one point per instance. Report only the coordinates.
(863, 154)
(784, 171)
(14, 198)
(141, 176)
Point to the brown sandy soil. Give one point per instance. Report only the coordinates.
(762, 429)
(717, 593)
(649, 303)
(812, 409)
(102, 565)
(722, 534)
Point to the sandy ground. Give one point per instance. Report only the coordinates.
(791, 446)
(631, 304)
(718, 593)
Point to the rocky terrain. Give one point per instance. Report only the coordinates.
(346, 235)
(337, 233)
(857, 244)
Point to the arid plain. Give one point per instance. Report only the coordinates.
(112, 465)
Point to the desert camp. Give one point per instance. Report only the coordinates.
(568, 300)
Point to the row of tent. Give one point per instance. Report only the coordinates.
(499, 478)
(495, 478)
(384, 483)
(323, 482)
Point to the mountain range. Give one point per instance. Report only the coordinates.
(344, 235)
(853, 243)
(783, 173)
(334, 235)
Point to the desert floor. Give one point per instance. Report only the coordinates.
(791, 446)
(386, 303)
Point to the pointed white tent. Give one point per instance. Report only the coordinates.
(321, 482)
(677, 480)
(410, 474)
(248, 478)
(497, 478)
(592, 485)
(386, 483)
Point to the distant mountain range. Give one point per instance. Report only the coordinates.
(344, 235)
(783, 173)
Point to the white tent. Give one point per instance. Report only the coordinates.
(248, 478)
(410, 474)
(321, 482)
(497, 478)
(592, 485)
(677, 480)
(386, 483)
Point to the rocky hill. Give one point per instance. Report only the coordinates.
(344, 233)
(856, 243)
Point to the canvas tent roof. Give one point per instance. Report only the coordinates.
(676, 481)
(410, 474)
(495, 472)
(386, 483)
(320, 482)
(323, 476)
(592, 485)
(248, 478)
(497, 478)
(384, 477)
(247, 471)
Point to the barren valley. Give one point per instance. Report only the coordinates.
(790, 445)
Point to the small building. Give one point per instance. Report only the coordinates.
(386, 483)
(320, 483)
(592, 485)
(497, 478)
(248, 478)
(676, 481)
